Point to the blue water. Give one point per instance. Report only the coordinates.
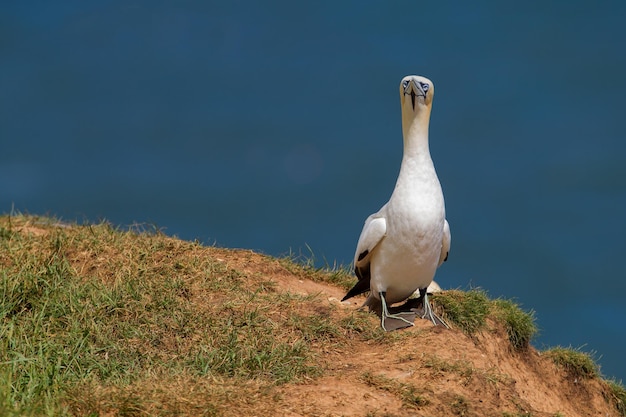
(275, 126)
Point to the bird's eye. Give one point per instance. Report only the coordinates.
(425, 87)
(405, 83)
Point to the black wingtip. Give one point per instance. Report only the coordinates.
(359, 288)
(354, 291)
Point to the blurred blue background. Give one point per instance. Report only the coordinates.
(276, 126)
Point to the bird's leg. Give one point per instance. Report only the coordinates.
(393, 321)
(429, 314)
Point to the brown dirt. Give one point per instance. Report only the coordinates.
(454, 374)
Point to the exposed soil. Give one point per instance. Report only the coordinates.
(448, 372)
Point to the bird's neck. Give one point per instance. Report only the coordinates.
(415, 134)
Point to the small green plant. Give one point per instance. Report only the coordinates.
(578, 364)
(520, 325)
(618, 395)
(467, 310)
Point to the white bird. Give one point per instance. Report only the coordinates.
(403, 244)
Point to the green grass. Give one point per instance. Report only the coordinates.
(520, 325)
(617, 395)
(469, 310)
(117, 307)
(577, 364)
(581, 366)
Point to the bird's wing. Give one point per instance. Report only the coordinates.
(445, 244)
(373, 232)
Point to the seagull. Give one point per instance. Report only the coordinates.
(402, 245)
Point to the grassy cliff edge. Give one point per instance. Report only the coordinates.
(95, 320)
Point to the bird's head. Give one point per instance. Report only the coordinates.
(416, 99)
(416, 93)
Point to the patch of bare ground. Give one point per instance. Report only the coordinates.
(424, 370)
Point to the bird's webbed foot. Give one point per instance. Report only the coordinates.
(426, 312)
(395, 321)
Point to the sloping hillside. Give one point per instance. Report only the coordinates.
(98, 321)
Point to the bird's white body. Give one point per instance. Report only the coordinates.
(408, 256)
(402, 244)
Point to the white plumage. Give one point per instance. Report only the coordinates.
(402, 244)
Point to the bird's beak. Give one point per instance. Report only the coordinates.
(414, 89)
